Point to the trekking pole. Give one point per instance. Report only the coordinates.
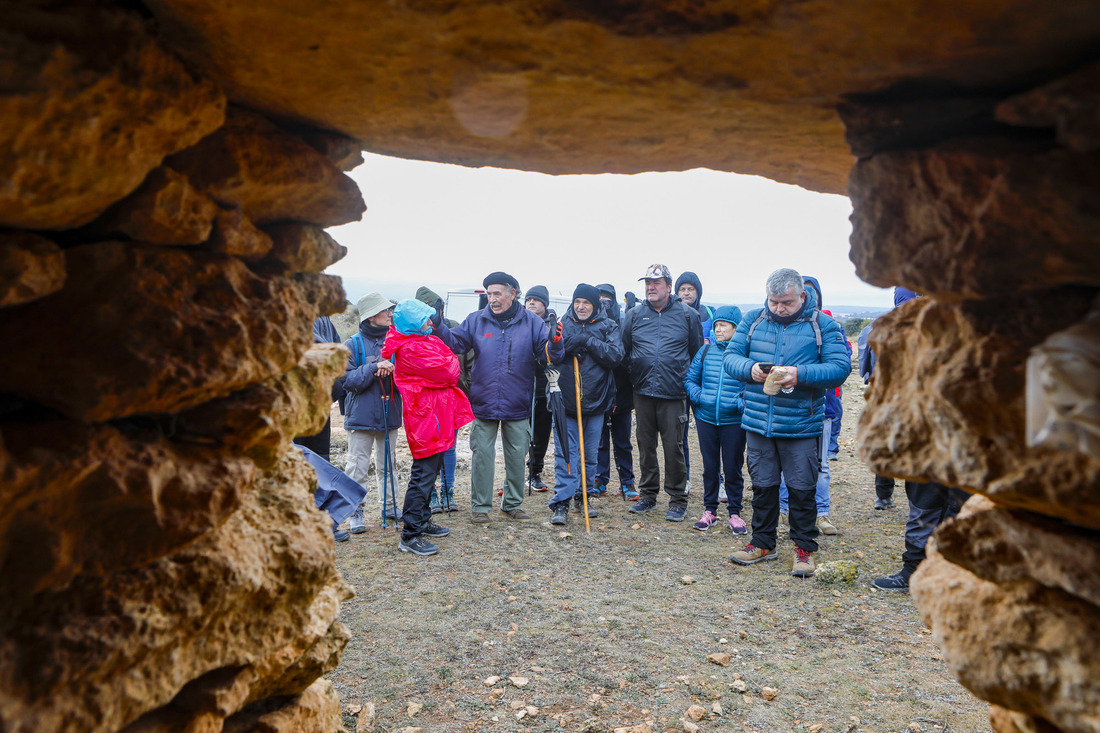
(392, 489)
(580, 434)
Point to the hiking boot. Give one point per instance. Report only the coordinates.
(480, 518)
(434, 504)
(599, 488)
(676, 514)
(641, 506)
(705, 522)
(561, 514)
(834, 457)
(826, 526)
(737, 525)
(340, 535)
(418, 546)
(752, 554)
(722, 498)
(628, 493)
(355, 524)
(517, 514)
(896, 583)
(578, 507)
(391, 513)
(434, 530)
(804, 565)
(883, 504)
(535, 483)
(448, 500)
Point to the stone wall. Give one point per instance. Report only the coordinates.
(161, 562)
(990, 206)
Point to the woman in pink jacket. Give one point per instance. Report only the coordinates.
(427, 373)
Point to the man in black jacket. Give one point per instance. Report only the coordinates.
(538, 302)
(617, 424)
(592, 343)
(660, 338)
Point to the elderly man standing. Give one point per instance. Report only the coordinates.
(784, 412)
(660, 337)
(509, 343)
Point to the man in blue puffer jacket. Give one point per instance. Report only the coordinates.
(784, 429)
(509, 343)
(718, 402)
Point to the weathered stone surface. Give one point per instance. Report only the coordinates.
(877, 125)
(152, 329)
(90, 105)
(30, 267)
(1037, 651)
(165, 209)
(999, 545)
(966, 362)
(1070, 105)
(977, 218)
(95, 499)
(579, 87)
(1007, 721)
(235, 235)
(345, 152)
(317, 710)
(271, 175)
(301, 247)
(258, 592)
(259, 420)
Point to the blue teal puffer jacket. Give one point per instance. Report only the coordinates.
(716, 396)
(799, 414)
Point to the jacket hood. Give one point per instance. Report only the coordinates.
(813, 293)
(607, 288)
(426, 295)
(691, 279)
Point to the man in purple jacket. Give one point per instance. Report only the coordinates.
(509, 344)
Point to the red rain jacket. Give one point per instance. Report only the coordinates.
(427, 373)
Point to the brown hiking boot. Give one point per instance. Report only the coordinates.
(804, 565)
(826, 526)
(480, 518)
(752, 555)
(517, 514)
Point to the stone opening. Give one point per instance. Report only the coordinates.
(169, 172)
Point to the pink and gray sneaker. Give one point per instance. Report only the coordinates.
(705, 522)
(737, 525)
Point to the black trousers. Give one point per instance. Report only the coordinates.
(616, 431)
(541, 424)
(416, 512)
(665, 419)
(798, 460)
(884, 487)
(930, 504)
(320, 443)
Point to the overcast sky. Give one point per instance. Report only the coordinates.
(447, 226)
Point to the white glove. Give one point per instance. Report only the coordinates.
(552, 379)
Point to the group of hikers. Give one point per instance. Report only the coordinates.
(762, 385)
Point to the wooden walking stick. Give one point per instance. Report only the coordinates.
(580, 435)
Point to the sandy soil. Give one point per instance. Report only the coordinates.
(609, 633)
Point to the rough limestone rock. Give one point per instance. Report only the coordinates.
(966, 361)
(153, 329)
(208, 627)
(70, 490)
(30, 267)
(581, 87)
(345, 152)
(260, 419)
(1070, 105)
(235, 235)
(273, 176)
(1039, 653)
(1007, 721)
(90, 105)
(165, 209)
(301, 247)
(961, 220)
(316, 709)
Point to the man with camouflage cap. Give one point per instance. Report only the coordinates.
(660, 337)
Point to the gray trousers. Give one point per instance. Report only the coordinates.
(516, 438)
(665, 418)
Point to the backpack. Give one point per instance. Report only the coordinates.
(815, 322)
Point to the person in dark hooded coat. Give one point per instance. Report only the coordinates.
(690, 291)
(617, 425)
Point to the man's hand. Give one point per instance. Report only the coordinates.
(789, 381)
(385, 368)
(758, 374)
